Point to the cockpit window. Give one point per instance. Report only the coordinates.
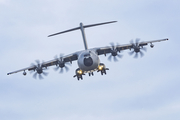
(87, 55)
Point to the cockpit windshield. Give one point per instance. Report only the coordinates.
(87, 55)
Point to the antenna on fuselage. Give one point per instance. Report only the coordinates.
(81, 27)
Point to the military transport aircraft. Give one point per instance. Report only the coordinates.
(88, 59)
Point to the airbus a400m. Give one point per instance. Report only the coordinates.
(88, 60)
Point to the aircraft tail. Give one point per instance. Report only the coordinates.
(81, 27)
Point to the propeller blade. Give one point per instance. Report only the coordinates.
(137, 48)
(39, 69)
(67, 69)
(56, 68)
(61, 71)
(136, 55)
(112, 44)
(46, 69)
(37, 61)
(45, 73)
(132, 42)
(40, 77)
(115, 59)
(130, 53)
(141, 53)
(119, 56)
(61, 55)
(117, 43)
(35, 75)
(67, 63)
(137, 40)
(32, 64)
(114, 52)
(61, 64)
(110, 57)
(56, 57)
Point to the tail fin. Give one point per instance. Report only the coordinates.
(85, 26)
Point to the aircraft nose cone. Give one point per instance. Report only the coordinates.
(88, 61)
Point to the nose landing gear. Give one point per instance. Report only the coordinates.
(91, 73)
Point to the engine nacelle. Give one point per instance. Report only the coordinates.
(61, 64)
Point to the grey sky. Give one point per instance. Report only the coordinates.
(138, 89)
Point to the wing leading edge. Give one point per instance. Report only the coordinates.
(68, 58)
(108, 49)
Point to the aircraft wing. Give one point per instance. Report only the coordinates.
(152, 41)
(106, 50)
(28, 68)
(67, 58)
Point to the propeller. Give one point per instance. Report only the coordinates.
(39, 71)
(137, 48)
(61, 64)
(114, 53)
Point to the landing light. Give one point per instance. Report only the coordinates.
(100, 67)
(79, 71)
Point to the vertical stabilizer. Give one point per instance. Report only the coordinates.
(83, 35)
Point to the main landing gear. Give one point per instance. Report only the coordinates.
(101, 68)
(79, 74)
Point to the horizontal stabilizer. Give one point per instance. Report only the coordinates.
(64, 31)
(98, 24)
(84, 26)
